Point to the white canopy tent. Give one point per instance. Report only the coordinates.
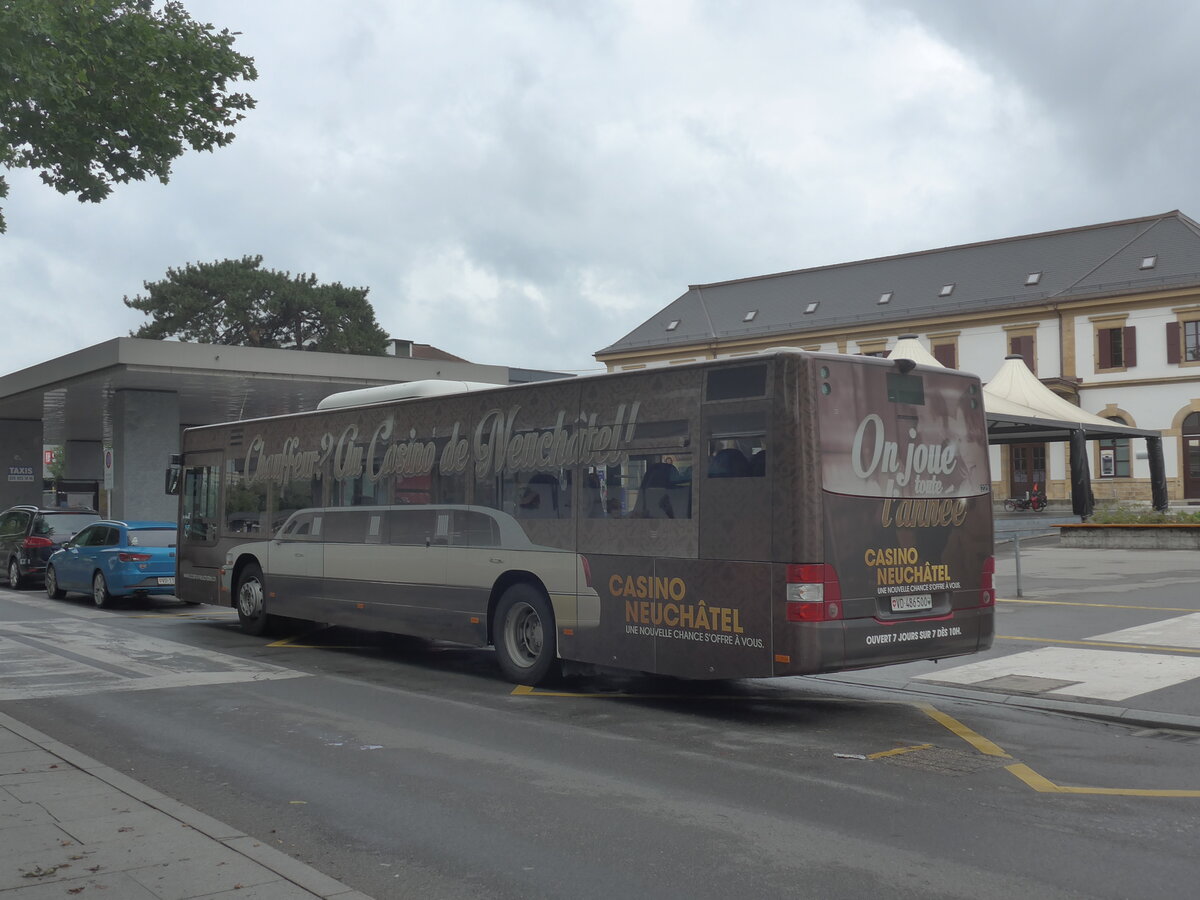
(1020, 409)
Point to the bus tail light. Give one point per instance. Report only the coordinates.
(814, 593)
(587, 570)
(987, 579)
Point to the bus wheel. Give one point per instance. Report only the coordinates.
(524, 635)
(251, 609)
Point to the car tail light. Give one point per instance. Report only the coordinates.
(134, 557)
(36, 543)
(987, 578)
(587, 570)
(814, 593)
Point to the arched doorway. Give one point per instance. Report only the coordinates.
(1027, 467)
(1191, 456)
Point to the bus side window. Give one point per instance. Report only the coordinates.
(665, 488)
(409, 527)
(737, 457)
(346, 527)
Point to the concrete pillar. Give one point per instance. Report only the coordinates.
(85, 461)
(20, 462)
(145, 428)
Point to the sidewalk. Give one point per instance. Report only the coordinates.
(1108, 634)
(70, 826)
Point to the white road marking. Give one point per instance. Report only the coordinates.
(59, 657)
(1095, 674)
(1181, 631)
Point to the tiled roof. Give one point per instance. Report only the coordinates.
(1075, 262)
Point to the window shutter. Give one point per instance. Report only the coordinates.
(1129, 339)
(944, 353)
(1104, 336)
(1023, 346)
(1173, 342)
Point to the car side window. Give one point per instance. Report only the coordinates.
(84, 537)
(112, 537)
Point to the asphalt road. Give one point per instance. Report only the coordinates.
(416, 771)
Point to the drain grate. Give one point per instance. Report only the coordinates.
(1023, 684)
(945, 761)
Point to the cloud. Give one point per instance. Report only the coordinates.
(522, 183)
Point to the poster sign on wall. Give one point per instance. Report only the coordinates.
(20, 473)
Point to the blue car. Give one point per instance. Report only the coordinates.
(109, 559)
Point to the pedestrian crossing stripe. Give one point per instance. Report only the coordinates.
(1067, 672)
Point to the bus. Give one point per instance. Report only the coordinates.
(782, 513)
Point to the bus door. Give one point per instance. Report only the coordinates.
(199, 557)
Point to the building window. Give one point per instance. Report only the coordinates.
(1183, 342)
(750, 316)
(885, 298)
(1033, 278)
(812, 307)
(1114, 455)
(1116, 347)
(1149, 262)
(946, 291)
(672, 325)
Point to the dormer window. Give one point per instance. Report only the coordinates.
(812, 307)
(947, 290)
(750, 316)
(1032, 278)
(1149, 262)
(672, 325)
(885, 298)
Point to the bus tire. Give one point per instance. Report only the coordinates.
(524, 635)
(250, 600)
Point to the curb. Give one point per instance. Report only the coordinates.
(1117, 714)
(298, 873)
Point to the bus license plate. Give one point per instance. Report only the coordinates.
(166, 581)
(911, 602)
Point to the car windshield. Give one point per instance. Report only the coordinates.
(62, 525)
(152, 537)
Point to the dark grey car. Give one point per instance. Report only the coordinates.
(29, 534)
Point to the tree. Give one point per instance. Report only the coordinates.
(235, 301)
(99, 92)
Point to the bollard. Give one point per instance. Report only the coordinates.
(1017, 558)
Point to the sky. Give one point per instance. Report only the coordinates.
(523, 182)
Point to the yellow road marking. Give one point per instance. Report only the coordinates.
(976, 740)
(898, 751)
(1110, 644)
(1022, 772)
(291, 642)
(1104, 605)
(1032, 779)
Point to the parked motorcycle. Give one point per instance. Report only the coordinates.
(1035, 500)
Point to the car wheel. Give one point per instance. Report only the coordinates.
(524, 635)
(100, 593)
(53, 591)
(14, 575)
(251, 601)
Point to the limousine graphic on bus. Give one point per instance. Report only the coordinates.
(422, 569)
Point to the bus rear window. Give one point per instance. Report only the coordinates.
(908, 389)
